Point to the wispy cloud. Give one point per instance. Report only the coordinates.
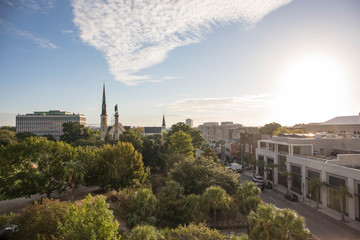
(221, 104)
(37, 5)
(38, 40)
(134, 35)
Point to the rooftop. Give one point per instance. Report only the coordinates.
(344, 120)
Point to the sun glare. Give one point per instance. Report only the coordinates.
(312, 85)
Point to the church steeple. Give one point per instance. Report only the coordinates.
(103, 112)
(163, 123)
(103, 121)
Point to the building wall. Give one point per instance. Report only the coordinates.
(43, 123)
(326, 167)
(347, 131)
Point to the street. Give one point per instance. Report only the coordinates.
(322, 226)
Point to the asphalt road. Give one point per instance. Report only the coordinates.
(322, 226)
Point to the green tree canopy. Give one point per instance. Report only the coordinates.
(248, 197)
(269, 128)
(74, 131)
(195, 232)
(196, 137)
(208, 152)
(267, 223)
(33, 166)
(215, 198)
(133, 136)
(195, 175)
(73, 171)
(145, 232)
(120, 166)
(23, 135)
(7, 137)
(142, 208)
(172, 210)
(180, 142)
(91, 220)
(153, 150)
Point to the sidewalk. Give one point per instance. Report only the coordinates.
(327, 211)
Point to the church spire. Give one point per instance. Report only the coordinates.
(163, 123)
(103, 112)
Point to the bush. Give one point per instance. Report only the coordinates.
(195, 232)
(40, 221)
(145, 232)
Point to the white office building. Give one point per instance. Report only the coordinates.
(43, 123)
(334, 161)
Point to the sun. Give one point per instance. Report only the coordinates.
(312, 85)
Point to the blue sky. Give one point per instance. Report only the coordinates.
(250, 62)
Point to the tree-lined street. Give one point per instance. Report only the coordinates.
(322, 226)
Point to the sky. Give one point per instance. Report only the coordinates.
(247, 61)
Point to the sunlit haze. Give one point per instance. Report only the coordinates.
(249, 62)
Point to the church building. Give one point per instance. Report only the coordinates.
(113, 131)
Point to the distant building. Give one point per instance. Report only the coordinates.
(43, 123)
(189, 122)
(333, 161)
(213, 132)
(155, 130)
(344, 126)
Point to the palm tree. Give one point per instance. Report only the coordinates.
(315, 184)
(290, 225)
(74, 170)
(262, 222)
(215, 198)
(341, 192)
(271, 166)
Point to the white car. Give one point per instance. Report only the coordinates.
(258, 179)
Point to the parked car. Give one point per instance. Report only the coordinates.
(260, 185)
(291, 196)
(258, 179)
(268, 185)
(7, 232)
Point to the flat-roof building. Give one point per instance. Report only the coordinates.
(293, 161)
(43, 123)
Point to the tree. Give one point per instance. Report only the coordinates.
(315, 185)
(133, 136)
(196, 137)
(261, 223)
(195, 175)
(74, 170)
(120, 166)
(341, 192)
(153, 151)
(208, 152)
(215, 198)
(269, 128)
(267, 223)
(247, 197)
(180, 142)
(91, 220)
(290, 225)
(281, 130)
(23, 135)
(172, 210)
(195, 232)
(33, 166)
(12, 129)
(7, 137)
(74, 131)
(142, 207)
(145, 232)
(40, 220)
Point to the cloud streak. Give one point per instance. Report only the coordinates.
(135, 35)
(40, 41)
(228, 104)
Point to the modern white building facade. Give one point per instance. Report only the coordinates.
(294, 161)
(43, 123)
